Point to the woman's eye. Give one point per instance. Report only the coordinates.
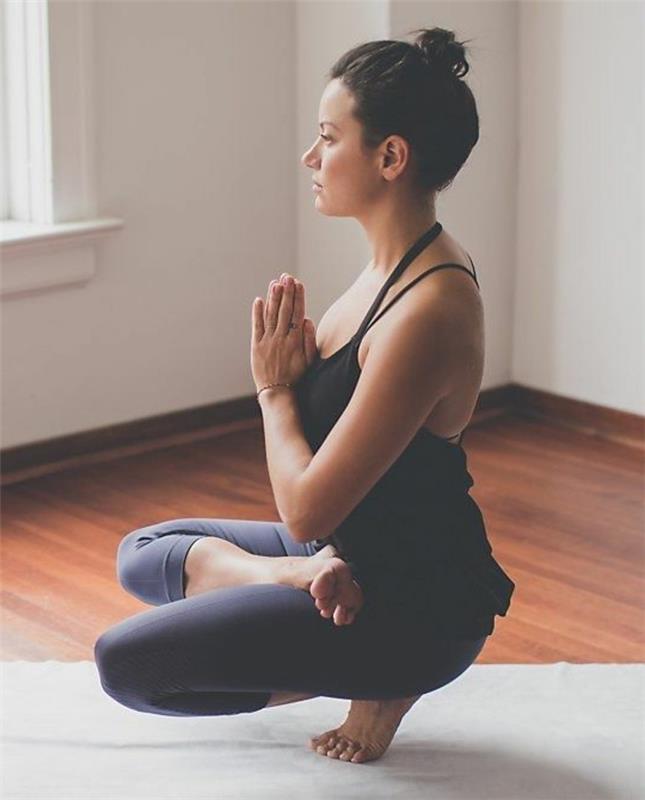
(322, 136)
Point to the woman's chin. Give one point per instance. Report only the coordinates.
(319, 201)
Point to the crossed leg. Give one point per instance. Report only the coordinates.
(179, 559)
(243, 647)
(214, 563)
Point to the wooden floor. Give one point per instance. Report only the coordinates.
(564, 511)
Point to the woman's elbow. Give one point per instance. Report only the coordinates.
(300, 531)
(309, 527)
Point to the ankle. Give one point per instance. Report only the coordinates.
(386, 706)
(289, 571)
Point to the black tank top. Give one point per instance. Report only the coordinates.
(416, 542)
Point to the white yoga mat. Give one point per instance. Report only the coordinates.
(499, 732)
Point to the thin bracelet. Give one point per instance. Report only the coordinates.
(271, 385)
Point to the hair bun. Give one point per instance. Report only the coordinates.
(440, 50)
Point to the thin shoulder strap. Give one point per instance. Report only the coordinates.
(407, 259)
(474, 272)
(416, 280)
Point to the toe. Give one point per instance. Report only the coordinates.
(321, 736)
(349, 751)
(332, 742)
(337, 749)
(327, 744)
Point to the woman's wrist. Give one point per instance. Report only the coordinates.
(273, 386)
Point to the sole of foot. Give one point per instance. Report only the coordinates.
(333, 588)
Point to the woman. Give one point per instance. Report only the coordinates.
(379, 584)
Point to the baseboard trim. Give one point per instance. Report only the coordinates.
(220, 419)
(622, 427)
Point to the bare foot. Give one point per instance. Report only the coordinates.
(366, 733)
(328, 579)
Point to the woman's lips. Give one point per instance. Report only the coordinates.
(316, 187)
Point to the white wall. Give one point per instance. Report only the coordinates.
(579, 308)
(203, 112)
(196, 152)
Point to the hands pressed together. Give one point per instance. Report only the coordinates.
(283, 340)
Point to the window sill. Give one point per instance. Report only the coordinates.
(38, 257)
(23, 237)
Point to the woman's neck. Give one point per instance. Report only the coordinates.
(391, 235)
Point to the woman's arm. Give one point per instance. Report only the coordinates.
(407, 371)
(288, 452)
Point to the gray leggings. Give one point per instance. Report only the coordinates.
(227, 650)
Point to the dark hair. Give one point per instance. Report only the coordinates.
(415, 91)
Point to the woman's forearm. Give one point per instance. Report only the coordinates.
(288, 452)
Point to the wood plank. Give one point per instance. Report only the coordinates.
(564, 513)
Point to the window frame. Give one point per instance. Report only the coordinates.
(51, 190)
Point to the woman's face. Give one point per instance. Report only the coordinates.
(348, 175)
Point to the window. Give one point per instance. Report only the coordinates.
(47, 181)
(26, 191)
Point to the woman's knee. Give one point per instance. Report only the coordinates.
(126, 558)
(119, 672)
(142, 569)
(110, 655)
(150, 562)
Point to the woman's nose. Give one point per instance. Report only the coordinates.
(307, 156)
